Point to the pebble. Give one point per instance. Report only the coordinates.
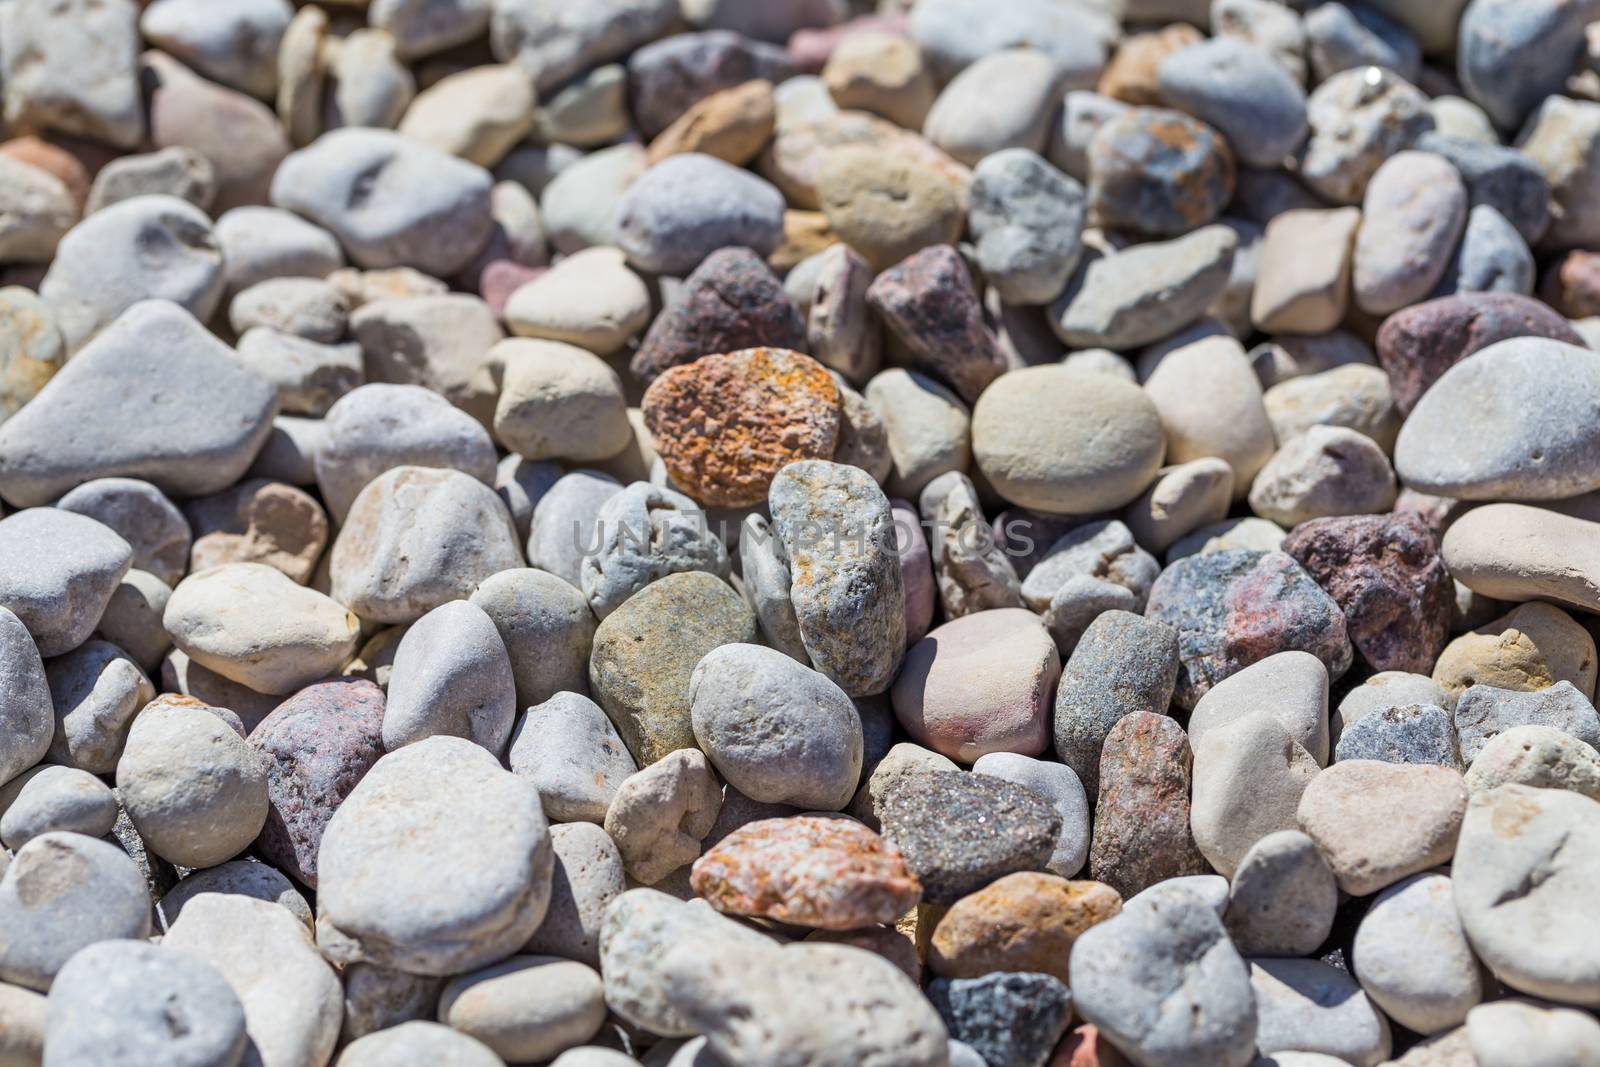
(1027, 218)
(1539, 756)
(659, 816)
(1061, 787)
(400, 1044)
(477, 114)
(1483, 712)
(1063, 441)
(1123, 664)
(1505, 179)
(546, 627)
(1283, 897)
(1413, 733)
(1004, 99)
(1523, 860)
(434, 215)
(1010, 1020)
(1326, 471)
(1158, 172)
(141, 515)
(155, 357)
(1183, 498)
(1508, 55)
(1348, 810)
(883, 73)
(569, 751)
(290, 995)
(558, 401)
(376, 998)
(1513, 552)
(1163, 982)
(96, 691)
(1559, 134)
(132, 619)
(437, 862)
(1291, 686)
(588, 875)
(34, 349)
(56, 798)
(1531, 647)
(1304, 282)
(1241, 90)
(1313, 1006)
(1144, 293)
(1211, 404)
(1346, 38)
(930, 304)
(847, 582)
(1142, 834)
(94, 893)
(1412, 957)
(259, 522)
(590, 299)
(886, 207)
(1249, 776)
(1412, 215)
(1387, 577)
(39, 211)
(1359, 118)
(451, 676)
(526, 1008)
(1355, 395)
(178, 171)
(74, 70)
(123, 1001)
(246, 877)
(416, 538)
(979, 684)
(260, 243)
(1231, 609)
(814, 871)
(1522, 1031)
(1024, 922)
(928, 428)
(59, 573)
(646, 532)
(686, 207)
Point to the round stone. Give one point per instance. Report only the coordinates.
(590, 299)
(56, 798)
(96, 691)
(776, 730)
(1532, 647)
(1241, 89)
(451, 676)
(558, 401)
(885, 205)
(245, 878)
(1538, 756)
(1314, 1006)
(1412, 957)
(1101, 445)
(569, 751)
(684, 208)
(979, 684)
(1283, 897)
(1008, 1019)
(547, 629)
(1326, 471)
(141, 515)
(405, 1043)
(27, 723)
(58, 572)
(1412, 216)
(807, 870)
(1026, 921)
(1348, 810)
(588, 876)
(1210, 403)
(526, 1008)
(1158, 172)
(195, 791)
(727, 423)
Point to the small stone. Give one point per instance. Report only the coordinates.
(1348, 810)
(60, 571)
(142, 516)
(1413, 733)
(1283, 897)
(1158, 172)
(1142, 833)
(259, 522)
(177, 171)
(827, 873)
(1326, 471)
(259, 243)
(1559, 139)
(1249, 776)
(1412, 957)
(1484, 712)
(1311, 1005)
(440, 1045)
(246, 877)
(1231, 609)
(74, 69)
(1164, 982)
(1538, 756)
(954, 33)
(579, 204)
(590, 299)
(547, 629)
(1521, 868)
(847, 594)
(452, 677)
(309, 376)
(1354, 395)
(1413, 214)
(96, 691)
(1252, 533)
(377, 998)
(927, 425)
(1491, 257)
(416, 538)
(1022, 922)
(1183, 498)
(251, 623)
(1144, 293)
(36, 212)
(1122, 665)
(1059, 785)
(1291, 686)
(1531, 647)
(478, 114)
(316, 747)
(659, 816)
(883, 73)
(776, 730)
(1359, 118)
(1027, 218)
(646, 532)
(1304, 280)
(1010, 1020)
(304, 307)
(95, 893)
(290, 995)
(732, 125)
(1131, 76)
(1244, 92)
(1512, 552)
(438, 860)
(884, 205)
(588, 877)
(526, 1008)
(32, 346)
(558, 401)
(1003, 100)
(434, 215)
(931, 305)
(570, 752)
(686, 207)
(57, 798)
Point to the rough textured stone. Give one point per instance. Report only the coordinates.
(827, 873)
(259, 521)
(660, 815)
(1123, 664)
(74, 69)
(1010, 1020)
(1532, 647)
(1230, 609)
(1348, 810)
(646, 532)
(1484, 712)
(1027, 218)
(1023, 922)
(1538, 756)
(1412, 733)
(732, 301)
(1158, 172)
(1359, 118)
(1144, 293)
(1142, 831)
(928, 300)
(884, 205)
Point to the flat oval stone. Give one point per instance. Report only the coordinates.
(451, 676)
(979, 684)
(1348, 810)
(1512, 423)
(1023, 922)
(588, 876)
(57, 798)
(849, 601)
(439, 1045)
(727, 423)
(959, 832)
(1521, 867)
(1412, 216)
(1066, 442)
(114, 397)
(316, 746)
(826, 873)
(142, 516)
(432, 213)
(1412, 957)
(58, 572)
(1231, 609)
(684, 208)
(526, 1008)
(438, 860)
(1242, 90)
(1513, 552)
(121, 1001)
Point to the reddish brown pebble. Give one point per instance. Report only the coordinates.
(811, 870)
(1023, 922)
(1385, 574)
(1084, 1047)
(930, 303)
(1141, 830)
(731, 301)
(726, 424)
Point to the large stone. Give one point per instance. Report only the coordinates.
(105, 413)
(58, 572)
(26, 709)
(1142, 825)
(1516, 553)
(1412, 957)
(437, 862)
(1210, 404)
(1349, 811)
(1248, 779)
(547, 628)
(1532, 647)
(1290, 686)
(75, 69)
(1317, 1007)
(1539, 756)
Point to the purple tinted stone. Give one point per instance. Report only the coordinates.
(929, 301)
(731, 302)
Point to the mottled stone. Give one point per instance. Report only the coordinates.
(1158, 172)
(659, 816)
(1411, 733)
(1010, 1020)
(960, 832)
(1142, 831)
(1533, 646)
(1359, 118)
(930, 304)
(1540, 756)
(1122, 665)
(731, 301)
(1023, 922)
(1349, 811)
(1484, 712)
(1232, 608)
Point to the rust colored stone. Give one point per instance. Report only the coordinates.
(1084, 1047)
(1023, 922)
(726, 424)
(810, 870)
(930, 303)
(1141, 832)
